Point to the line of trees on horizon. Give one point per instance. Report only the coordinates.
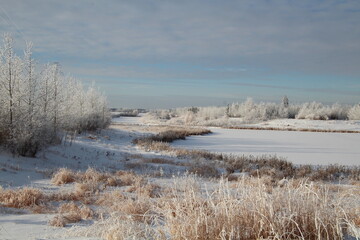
(38, 103)
(250, 111)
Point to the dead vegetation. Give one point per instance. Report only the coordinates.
(92, 177)
(246, 208)
(71, 213)
(172, 134)
(250, 208)
(251, 211)
(21, 198)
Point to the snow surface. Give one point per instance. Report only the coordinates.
(112, 149)
(298, 147)
(127, 120)
(308, 124)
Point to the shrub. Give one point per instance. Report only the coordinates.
(354, 112)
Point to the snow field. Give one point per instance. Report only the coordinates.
(314, 148)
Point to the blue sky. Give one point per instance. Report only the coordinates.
(161, 54)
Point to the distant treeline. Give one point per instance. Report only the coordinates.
(126, 112)
(249, 111)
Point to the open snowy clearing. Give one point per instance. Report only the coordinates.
(112, 150)
(298, 147)
(335, 125)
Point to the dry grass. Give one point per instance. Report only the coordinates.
(248, 209)
(63, 220)
(174, 134)
(158, 161)
(306, 211)
(204, 170)
(128, 178)
(148, 190)
(71, 213)
(64, 176)
(117, 228)
(134, 209)
(91, 179)
(21, 198)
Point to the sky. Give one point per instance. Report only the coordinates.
(163, 54)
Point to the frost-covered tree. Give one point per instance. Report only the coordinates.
(354, 112)
(285, 101)
(36, 106)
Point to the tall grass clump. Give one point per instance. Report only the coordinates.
(21, 198)
(247, 209)
(252, 211)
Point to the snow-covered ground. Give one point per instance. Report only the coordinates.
(128, 120)
(112, 149)
(308, 124)
(108, 150)
(298, 147)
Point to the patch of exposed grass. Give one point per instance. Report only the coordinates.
(172, 135)
(21, 198)
(250, 211)
(64, 176)
(71, 213)
(251, 208)
(158, 161)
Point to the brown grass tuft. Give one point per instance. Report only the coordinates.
(205, 170)
(62, 220)
(128, 178)
(21, 198)
(71, 213)
(251, 212)
(137, 210)
(158, 161)
(109, 198)
(64, 176)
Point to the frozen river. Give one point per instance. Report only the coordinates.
(297, 147)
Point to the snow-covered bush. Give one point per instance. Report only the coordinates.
(37, 104)
(251, 111)
(318, 111)
(354, 112)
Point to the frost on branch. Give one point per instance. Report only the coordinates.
(38, 103)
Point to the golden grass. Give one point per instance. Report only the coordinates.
(21, 198)
(63, 220)
(204, 170)
(251, 208)
(64, 176)
(250, 212)
(246, 208)
(71, 213)
(158, 161)
(173, 134)
(92, 180)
